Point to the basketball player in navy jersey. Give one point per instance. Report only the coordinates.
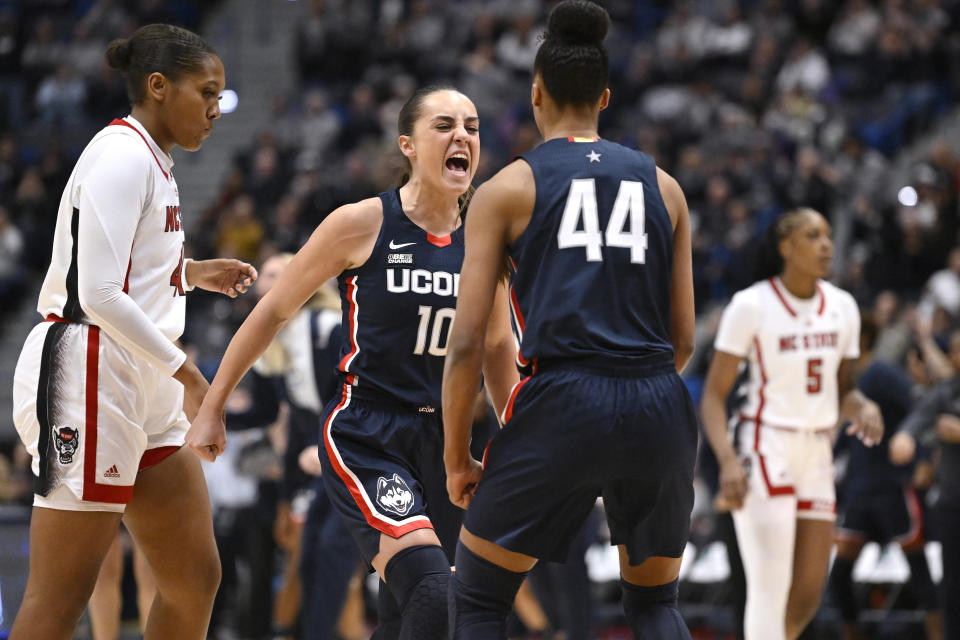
(397, 257)
(602, 295)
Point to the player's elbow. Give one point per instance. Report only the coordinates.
(683, 351)
(96, 296)
(462, 349)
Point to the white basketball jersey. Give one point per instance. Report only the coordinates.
(118, 245)
(794, 348)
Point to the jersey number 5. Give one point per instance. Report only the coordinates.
(814, 377)
(441, 321)
(580, 224)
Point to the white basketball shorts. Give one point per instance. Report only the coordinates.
(91, 414)
(791, 463)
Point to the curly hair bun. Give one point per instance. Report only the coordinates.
(578, 22)
(118, 55)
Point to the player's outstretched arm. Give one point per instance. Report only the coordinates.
(682, 314)
(221, 275)
(343, 240)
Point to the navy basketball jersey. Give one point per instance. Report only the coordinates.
(398, 308)
(592, 270)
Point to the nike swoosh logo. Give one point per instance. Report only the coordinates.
(400, 246)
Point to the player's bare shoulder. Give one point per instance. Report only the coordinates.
(672, 196)
(353, 230)
(510, 193)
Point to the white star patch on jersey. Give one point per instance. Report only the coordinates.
(594, 156)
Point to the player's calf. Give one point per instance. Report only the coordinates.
(480, 597)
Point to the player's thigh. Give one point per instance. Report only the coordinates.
(170, 520)
(66, 551)
(811, 557)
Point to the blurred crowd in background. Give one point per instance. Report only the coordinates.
(755, 106)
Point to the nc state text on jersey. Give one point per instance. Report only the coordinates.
(440, 283)
(173, 218)
(809, 341)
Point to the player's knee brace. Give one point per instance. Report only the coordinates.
(652, 612)
(480, 597)
(418, 577)
(920, 580)
(841, 586)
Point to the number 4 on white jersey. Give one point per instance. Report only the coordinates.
(581, 211)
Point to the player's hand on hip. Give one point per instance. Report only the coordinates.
(223, 275)
(733, 485)
(462, 482)
(207, 436)
(868, 425)
(902, 448)
(948, 428)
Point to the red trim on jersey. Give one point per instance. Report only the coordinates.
(352, 333)
(156, 455)
(516, 310)
(508, 410)
(375, 520)
(776, 290)
(809, 505)
(576, 139)
(126, 280)
(772, 490)
(52, 317)
(439, 241)
(118, 121)
(92, 490)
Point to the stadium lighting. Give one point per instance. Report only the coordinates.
(228, 101)
(907, 196)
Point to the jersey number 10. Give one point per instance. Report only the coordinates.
(441, 322)
(580, 225)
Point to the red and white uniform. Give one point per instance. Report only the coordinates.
(94, 399)
(793, 348)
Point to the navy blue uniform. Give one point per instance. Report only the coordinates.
(382, 436)
(877, 502)
(603, 411)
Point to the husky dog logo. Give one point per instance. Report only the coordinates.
(67, 441)
(394, 495)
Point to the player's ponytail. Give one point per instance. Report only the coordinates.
(156, 48)
(572, 60)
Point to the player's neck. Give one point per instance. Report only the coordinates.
(798, 284)
(154, 127)
(570, 125)
(430, 210)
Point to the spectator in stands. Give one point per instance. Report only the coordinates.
(11, 262)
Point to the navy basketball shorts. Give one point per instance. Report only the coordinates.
(892, 515)
(571, 436)
(383, 471)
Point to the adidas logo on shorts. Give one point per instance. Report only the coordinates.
(112, 472)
